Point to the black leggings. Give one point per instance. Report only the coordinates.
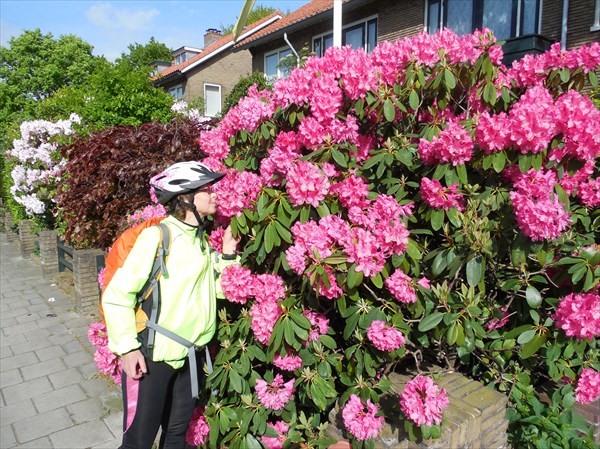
(162, 398)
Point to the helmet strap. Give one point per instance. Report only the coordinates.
(199, 219)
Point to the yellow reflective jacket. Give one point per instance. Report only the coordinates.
(188, 293)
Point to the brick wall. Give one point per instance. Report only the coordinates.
(474, 419)
(85, 279)
(27, 238)
(581, 18)
(48, 254)
(399, 19)
(224, 70)
(8, 227)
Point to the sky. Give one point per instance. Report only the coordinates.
(112, 25)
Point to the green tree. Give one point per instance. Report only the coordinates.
(142, 56)
(255, 15)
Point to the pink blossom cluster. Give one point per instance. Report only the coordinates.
(101, 277)
(360, 419)
(236, 192)
(588, 386)
(452, 145)
(578, 314)
(319, 324)
(423, 402)
(148, 212)
(402, 287)
(384, 337)
(198, 430)
(107, 362)
(306, 184)
(534, 69)
(237, 283)
(439, 197)
(276, 442)
(286, 150)
(276, 394)
(287, 362)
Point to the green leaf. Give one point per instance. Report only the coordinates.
(413, 100)
(389, 110)
(533, 296)
(490, 93)
(430, 321)
(339, 157)
(437, 219)
(499, 161)
(462, 173)
(565, 75)
(354, 277)
(526, 336)
(532, 346)
(593, 79)
(449, 78)
(252, 443)
(474, 270)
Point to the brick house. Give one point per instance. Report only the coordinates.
(210, 72)
(527, 26)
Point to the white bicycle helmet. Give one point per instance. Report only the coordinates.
(182, 177)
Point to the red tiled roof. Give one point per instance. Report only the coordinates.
(307, 11)
(222, 42)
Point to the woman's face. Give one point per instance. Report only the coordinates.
(205, 201)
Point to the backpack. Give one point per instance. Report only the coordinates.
(148, 298)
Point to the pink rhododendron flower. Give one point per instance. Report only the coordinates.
(588, 386)
(148, 212)
(97, 334)
(363, 249)
(236, 192)
(439, 197)
(540, 219)
(287, 363)
(276, 394)
(384, 337)
(264, 316)
(492, 132)
(423, 402)
(319, 323)
(268, 287)
(535, 183)
(296, 258)
(452, 145)
(215, 239)
(101, 277)
(236, 282)
(276, 443)
(578, 314)
(401, 287)
(331, 292)
(306, 184)
(108, 363)
(198, 429)
(352, 191)
(360, 419)
(589, 192)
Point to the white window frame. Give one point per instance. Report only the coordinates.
(174, 91)
(364, 21)
(206, 102)
(596, 25)
(280, 73)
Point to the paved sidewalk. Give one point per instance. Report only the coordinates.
(51, 393)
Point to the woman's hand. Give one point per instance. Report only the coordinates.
(229, 242)
(134, 364)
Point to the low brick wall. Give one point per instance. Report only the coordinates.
(8, 227)
(27, 238)
(48, 254)
(85, 279)
(474, 419)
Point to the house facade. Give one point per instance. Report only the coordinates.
(527, 26)
(210, 72)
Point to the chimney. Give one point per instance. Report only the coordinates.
(212, 35)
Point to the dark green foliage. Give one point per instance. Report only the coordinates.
(142, 56)
(107, 174)
(241, 88)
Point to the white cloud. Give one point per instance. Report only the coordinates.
(105, 15)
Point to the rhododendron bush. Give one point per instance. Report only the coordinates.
(422, 204)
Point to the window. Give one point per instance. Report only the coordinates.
(176, 91)
(357, 35)
(596, 26)
(506, 18)
(273, 68)
(212, 99)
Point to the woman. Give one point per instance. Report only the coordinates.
(156, 381)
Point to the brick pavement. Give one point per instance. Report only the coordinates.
(51, 393)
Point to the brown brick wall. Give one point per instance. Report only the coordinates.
(224, 70)
(581, 19)
(552, 19)
(399, 19)
(28, 238)
(85, 279)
